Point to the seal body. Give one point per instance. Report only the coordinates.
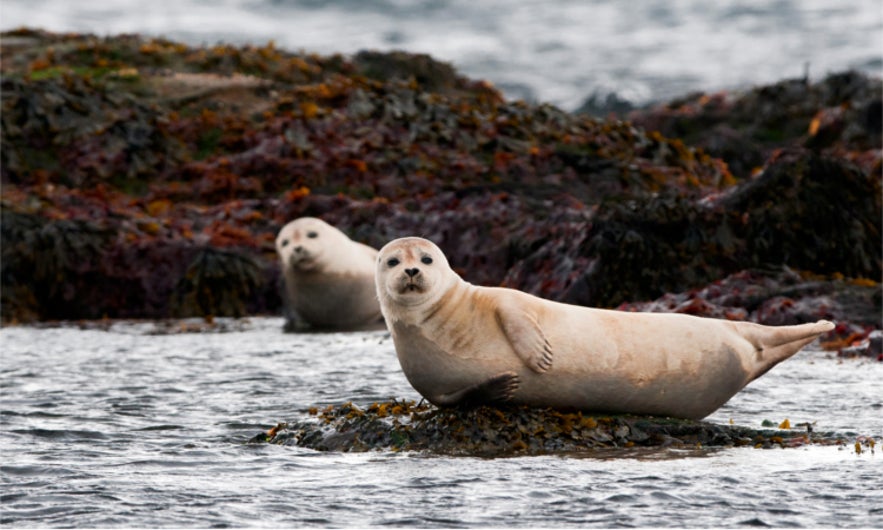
(462, 344)
(329, 278)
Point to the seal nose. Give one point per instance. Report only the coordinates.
(412, 272)
(299, 248)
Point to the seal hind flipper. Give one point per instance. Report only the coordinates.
(498, 389)
(526, 337)
(775, 344)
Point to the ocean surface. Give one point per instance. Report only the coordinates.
(558, 51)
(129, 426)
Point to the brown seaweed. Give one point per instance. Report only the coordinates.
(151, 178)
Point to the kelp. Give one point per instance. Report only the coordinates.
(48, 263)
(218, 282)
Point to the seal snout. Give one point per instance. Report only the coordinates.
(413, 282)
(301, 258)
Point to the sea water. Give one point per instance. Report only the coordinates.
(127, 425)
(558, 51)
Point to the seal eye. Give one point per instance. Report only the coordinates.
(312, 235)
(284, 243)
(426, 259)
(392, 262)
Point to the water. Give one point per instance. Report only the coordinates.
(126, 428)
(559, 51)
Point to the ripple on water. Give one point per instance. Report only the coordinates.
(31, 470)
(69, 435)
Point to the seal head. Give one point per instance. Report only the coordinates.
(412, 275)
(299, 246)
(329, 278)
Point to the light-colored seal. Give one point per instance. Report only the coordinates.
(329, 278)
(462, 344)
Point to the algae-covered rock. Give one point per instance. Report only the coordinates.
(488, 431)
(69, 269)
(839, 115)
(806, 210)
(162, 172)
(775, 297)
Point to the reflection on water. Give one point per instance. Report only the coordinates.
(124, 427)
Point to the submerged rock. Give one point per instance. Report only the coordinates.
(489, 432)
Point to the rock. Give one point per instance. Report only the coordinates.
(145, 178)
(861, 345)
(839, 115)
(775, 298)
(493, 432)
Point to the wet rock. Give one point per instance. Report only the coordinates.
(610, 104)
(492, 432)
(804, 209)
(860, 345)
(838, 115)
(775, 297)
(798, 211)
(74, 269)
(429, 74)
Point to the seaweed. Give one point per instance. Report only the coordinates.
(191, 158)
(217, 283)
(485, 431)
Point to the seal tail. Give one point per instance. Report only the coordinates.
(774, 344)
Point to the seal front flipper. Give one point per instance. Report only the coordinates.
(498, 389)
(526, 337)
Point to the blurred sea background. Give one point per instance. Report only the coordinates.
(561, 52)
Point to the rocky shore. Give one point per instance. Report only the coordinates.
(142, 178)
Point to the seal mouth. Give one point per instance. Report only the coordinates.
(411, 287)
(303, 263)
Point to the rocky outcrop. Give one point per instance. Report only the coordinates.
(145, 178)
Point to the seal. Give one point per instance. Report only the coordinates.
(460, 344)
(329, 278)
